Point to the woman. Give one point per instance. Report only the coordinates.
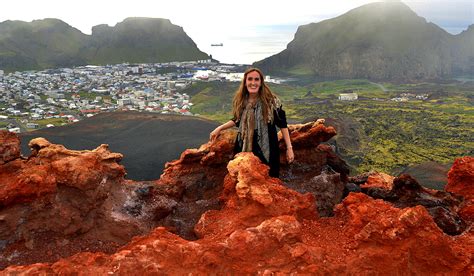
(257, 112)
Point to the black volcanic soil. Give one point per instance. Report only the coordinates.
(432, 175)
(147, 140)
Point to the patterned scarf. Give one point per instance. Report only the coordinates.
(251, 121)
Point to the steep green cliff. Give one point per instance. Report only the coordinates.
(384, 41)
(52, 43)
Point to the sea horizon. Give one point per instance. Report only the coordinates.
(248, 44)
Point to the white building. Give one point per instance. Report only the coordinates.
(32, 125)
(50, 101)
(123, 102)
(348, 96)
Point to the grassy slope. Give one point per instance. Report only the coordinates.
(212, 100)
(400, 134)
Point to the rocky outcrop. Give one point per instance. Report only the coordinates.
(404, 191)
(317, 168)
(266, 228)
(202, 174)
(93, 206)
(9, 148)
(59, 202)
(211, 212)
(460, 182)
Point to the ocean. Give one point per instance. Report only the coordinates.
(247, 44)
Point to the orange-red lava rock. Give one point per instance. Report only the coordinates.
(251, 196)
(379, 180)
(9, 146)
(59, 202)
(235, 218)
(406, 192)
(461, 182)
(316, 169)
(251, 234)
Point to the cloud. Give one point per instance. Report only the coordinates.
(454, 16)
(216, 14)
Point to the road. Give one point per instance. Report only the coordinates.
(381, 86)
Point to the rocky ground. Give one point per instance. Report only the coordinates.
(73, 212)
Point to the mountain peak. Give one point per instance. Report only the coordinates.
(146, 19)
(51, 42)
(381, 41)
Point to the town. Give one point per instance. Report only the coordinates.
(36, 99)
(32, 100)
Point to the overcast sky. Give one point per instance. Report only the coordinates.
(213, 21)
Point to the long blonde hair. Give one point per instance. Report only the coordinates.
(265, 95)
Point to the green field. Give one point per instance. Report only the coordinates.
(374, 132)
(54, 121)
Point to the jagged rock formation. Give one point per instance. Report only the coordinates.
(460, 182)
(380, 41)
(404, 191)
(212, 213)
(318, 170)
(10, 147)
(51, 43)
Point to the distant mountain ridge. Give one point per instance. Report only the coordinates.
(385, 41)
(51, 43)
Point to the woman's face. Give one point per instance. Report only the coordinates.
(253, 82)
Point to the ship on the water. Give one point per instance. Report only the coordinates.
(217, 44)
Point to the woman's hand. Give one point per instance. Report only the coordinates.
(290, 156)
(214, 134)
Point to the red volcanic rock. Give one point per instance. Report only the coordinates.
(252, 196)
(308, 135)
(461, 177)
(407, 192)
(461, 182)
(9, 146)
(52, 165)
(390, 239)
(379, 180)
(364, 237)
(197, 178)
(316, 169)
(235, 218)
(58, 202)
(200, 173)
(212, 156)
